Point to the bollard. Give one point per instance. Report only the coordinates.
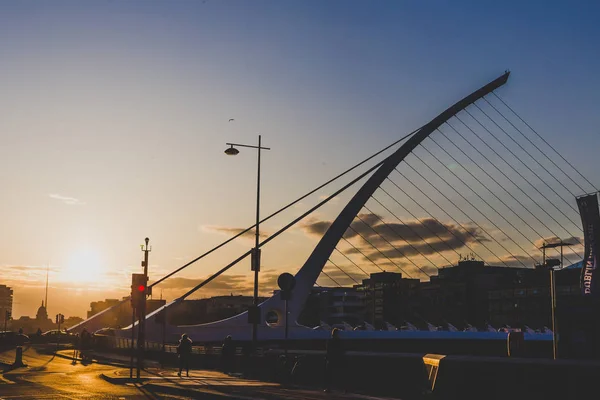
(19, 357)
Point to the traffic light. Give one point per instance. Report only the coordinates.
(7, 315)
(139, 285)
(62, 319)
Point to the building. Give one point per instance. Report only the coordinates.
(119, 316)
(98, 306)
(387, 298)
(470, 293)
(200, 311)
(187, 312)
(6, 302)
(477, 294)
(334, 306)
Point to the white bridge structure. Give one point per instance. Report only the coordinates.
(506, 224)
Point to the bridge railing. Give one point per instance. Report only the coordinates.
(104, 342)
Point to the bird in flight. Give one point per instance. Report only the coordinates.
(231, 119)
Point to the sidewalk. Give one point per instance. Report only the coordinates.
(204, 384)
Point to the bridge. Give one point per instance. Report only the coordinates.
(476, 179)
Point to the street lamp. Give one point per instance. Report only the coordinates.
(254, 311)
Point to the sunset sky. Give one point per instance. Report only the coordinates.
(115, 114)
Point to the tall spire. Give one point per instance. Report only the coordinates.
(47, 271)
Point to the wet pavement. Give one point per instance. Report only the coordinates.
(50, 376)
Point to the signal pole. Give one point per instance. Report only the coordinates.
(142, 311)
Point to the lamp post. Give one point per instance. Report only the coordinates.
(254, 311)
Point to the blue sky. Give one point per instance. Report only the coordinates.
(123, 107)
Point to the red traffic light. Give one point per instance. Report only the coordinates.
(141, 288)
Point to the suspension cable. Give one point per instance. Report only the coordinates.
(458, 208)
(474, 207)
(530, 156)
(414, 231)
(334, 281)
(481, 198)
(407, 242)
(348, 275)
(495, 181)
(287, 206)
(363, 254)
(516, 171)
(416, 218)
(537, 148)
(400, 252)
(349, 259)
(380, 252)
(548, 144)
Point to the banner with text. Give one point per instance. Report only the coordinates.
(590, 218)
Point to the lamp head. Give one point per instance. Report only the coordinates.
(232, 151)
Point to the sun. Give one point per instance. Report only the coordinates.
(83, 266)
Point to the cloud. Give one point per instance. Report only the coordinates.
(514, 260)
(72, 201)
(412, 238)
(340, 277)
(314, 227)
(577, 241)
(229, 231)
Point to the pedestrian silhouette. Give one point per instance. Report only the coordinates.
(228, 354)
(335, 361)
(184, 349)
(84, 345)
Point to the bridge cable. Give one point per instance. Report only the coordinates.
(495, 181)
(464, 241)
(458, 208)
(537, 148)
(481, 198)
(279, 232)
(347, 274)
(380, 252)
(407, 242)
(472, 205)
(334, 281)
(526, 166)
(415, 217)
(518, 173)
(355, 264)
(530, 156)
(548, 144)
(287, 206)
(394, 247)
(363, 254)
(414, 231)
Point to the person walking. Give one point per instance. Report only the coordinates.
(335, 360)
(184, 349)
(228, 354)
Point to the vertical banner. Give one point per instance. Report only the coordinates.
(590, 218)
